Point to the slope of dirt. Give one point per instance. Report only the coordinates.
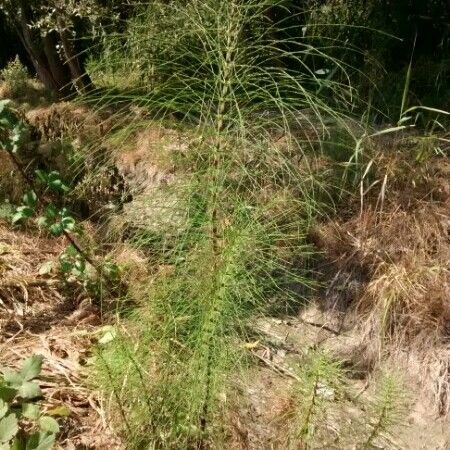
(397, 235)
(282, 345)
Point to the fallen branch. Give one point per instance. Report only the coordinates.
(322, 326)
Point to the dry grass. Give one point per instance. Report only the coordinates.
(388, 261)
(63, 384)
(65, 120)
(40, 315)
(32, 94)
(11, 186)
(22, 288)
(404, 256)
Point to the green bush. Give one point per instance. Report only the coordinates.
(15, 77)
(383, 46)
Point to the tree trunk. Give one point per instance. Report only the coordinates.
(80, 78)
(60, 73)
(61, 77)
(40, 65)
(42, 52)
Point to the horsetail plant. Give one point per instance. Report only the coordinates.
(387, 410)
(319, 386)
(243, 198)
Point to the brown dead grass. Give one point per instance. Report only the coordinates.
(22, 288)
(66, 120)
(394, 246)
(63, 383)
(145, 157)
(11, 184)
(405, 257)
(40, 315)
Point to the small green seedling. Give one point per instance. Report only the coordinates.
(27, 209)
(72, 264)
(22, 424)
(74, 268)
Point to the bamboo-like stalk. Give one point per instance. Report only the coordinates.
(225, 75)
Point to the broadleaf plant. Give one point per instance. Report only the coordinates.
(57, 221)
(22, 423)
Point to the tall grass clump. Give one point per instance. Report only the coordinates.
(255, 110)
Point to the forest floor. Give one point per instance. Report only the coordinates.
(41, 314)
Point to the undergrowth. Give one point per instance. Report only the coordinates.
(322, 408)
(263, 149)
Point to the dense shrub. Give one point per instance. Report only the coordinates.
(15, 76)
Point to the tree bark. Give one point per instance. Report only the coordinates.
(42, 52)
(61, 77)
(40, 65)
(80, 78)
(60, 73)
